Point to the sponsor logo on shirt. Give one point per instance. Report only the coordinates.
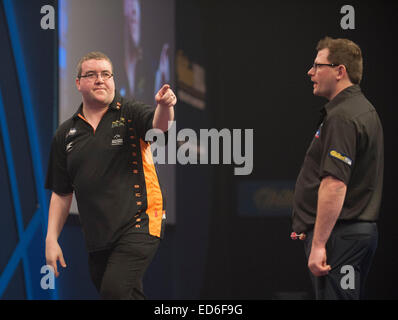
(118, 123)
(342, 157)
(71, 132)
(69, 147)
(117, 140)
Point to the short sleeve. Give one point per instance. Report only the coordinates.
(58, 179)
(142, 118)
(339, 141)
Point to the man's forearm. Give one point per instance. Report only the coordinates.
(57, 215)
(162, 117)
(331, 195)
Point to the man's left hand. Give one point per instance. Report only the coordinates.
(166, 97)
(317, 262)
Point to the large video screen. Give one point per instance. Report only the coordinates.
(138, 36)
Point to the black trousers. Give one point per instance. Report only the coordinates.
(117, 273)
(349, 251)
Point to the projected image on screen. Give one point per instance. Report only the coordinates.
(138, 82)
(138, 36)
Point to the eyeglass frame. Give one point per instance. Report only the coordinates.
(89, 75)
(316, 65)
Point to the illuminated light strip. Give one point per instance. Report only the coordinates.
(28, 105)
(19, 252)
(29, 116)
(14, 191)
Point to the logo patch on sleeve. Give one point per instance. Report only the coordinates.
(341, 157)
(318, 133)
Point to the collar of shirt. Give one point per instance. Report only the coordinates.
(344, 94)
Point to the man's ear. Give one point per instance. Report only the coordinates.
(78, 83)
(341, 72)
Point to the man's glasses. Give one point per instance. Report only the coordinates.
(316, 65)
(105, 75)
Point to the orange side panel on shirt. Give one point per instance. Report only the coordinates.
(154, 194)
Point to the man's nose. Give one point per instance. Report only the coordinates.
(311, 72)
(99, 78)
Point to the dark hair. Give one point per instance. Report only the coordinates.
(345, 52)
(96, 55)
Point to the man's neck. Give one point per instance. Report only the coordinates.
(94, 112)
(340, 87)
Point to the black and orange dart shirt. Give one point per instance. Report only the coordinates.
(111, 172)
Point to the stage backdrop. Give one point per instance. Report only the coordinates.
(28, 97)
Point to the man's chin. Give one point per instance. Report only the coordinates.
(317, 93)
